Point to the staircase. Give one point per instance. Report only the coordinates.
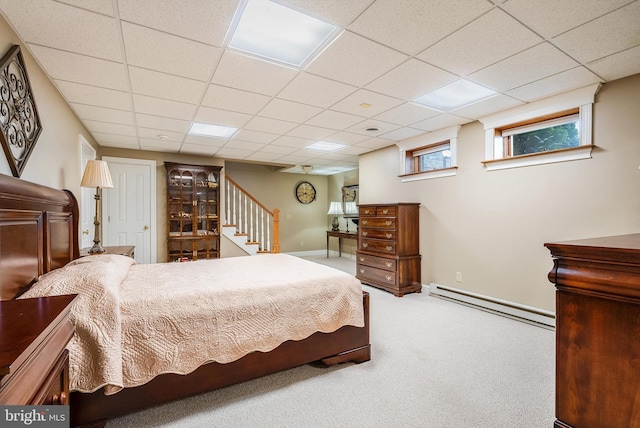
(249, 224)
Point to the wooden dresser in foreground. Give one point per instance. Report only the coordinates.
(597, 331)
(388, 255)
(34, 364)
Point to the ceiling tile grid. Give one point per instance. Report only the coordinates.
(138, 73)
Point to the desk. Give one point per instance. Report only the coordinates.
(340, 235)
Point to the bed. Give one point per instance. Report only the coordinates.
(39, 239)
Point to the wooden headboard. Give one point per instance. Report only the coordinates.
(38, 233)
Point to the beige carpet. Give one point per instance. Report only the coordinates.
(434, 364)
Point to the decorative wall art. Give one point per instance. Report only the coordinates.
(19, 122)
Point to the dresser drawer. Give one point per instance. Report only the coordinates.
(375, 275)
(382, 211)
(379, 262)
(367, 211)
(384, 247)
(379, 222)
(55, 388)
(389, 235)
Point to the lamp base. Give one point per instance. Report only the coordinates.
(96, 249)
(335, 225)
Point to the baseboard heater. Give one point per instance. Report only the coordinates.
(513, 310)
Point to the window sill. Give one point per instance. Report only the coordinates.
(575, 153)
(427, 175)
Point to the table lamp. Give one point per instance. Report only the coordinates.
(96, 174)
(336, 210)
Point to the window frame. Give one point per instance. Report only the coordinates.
(413, 148)
(579, 101)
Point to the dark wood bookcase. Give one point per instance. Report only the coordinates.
(193, 211)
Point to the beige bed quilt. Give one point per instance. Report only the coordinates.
(134, 322)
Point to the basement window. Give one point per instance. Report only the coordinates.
(555, 129)
(429, 156)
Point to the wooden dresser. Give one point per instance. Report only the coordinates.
(388, 255)
(597, 330)
(34, 364)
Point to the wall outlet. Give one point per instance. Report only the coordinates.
(459, 276)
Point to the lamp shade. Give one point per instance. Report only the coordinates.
(335, 208)
(96, 174)
(350, 208)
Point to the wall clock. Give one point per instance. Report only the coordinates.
(305, 192)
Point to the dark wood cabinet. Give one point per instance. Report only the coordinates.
(597, 329)
(388, 255)
(34, 364)
(193, 211)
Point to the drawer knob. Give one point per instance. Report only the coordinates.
(385, 211)
(362, 271)
(367, 211)
(388, 235)
(389, 248)
(389, 264)
(365, 222)
(365, 245)
(389, 278)
(362, 259)
(59, 399)
(365, 233)
(388, 222)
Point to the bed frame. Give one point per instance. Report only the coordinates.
(39, 233)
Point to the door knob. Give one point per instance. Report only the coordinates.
(85, 232)
(146, 227)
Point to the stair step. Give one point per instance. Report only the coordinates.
(251, 243)
(240, 234)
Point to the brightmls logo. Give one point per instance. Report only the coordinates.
(35, 416)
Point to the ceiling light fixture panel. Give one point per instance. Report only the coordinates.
(455, 95)
(277, 33)
(325, 146)
(208, 130)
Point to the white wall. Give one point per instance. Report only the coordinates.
(492, 226)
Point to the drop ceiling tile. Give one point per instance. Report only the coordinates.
(104, 7)
(354, 60)
(197, 149)
(480, 44)
(411, 80)
(383, 127)
(310, 132)
(162, 85)
(91, 95)
(289, 141)
(619, 65)
(278, 150)
(263, 157)
(562, 82)
(113, 140)
(270, 126)
(103, 114)
(215, 116)
(338, 12)
(487, 106)
(406, 114)
(524, 68)
(240, 71)
(378, 103)
(205, 141)
(411, 26)
(231, 153)
(234, 99)
(608, 34)
(163, 52)
(402, 134)
(153, 134)
(289, 110)
(347, 138)
(438, 122)
(375, 143)
(334, 120)
(255, 136)
(162, 123)
(165, 108)
(294, 159)
(81, 68)
(315, 90)
(159, 146)
(354, 150)
(109, 128)
(191, 19)
(551, 17)
(32, 19)
(243, 145)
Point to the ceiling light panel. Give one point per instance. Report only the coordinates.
(212, 130)
(325, 146)
(454, 95)
(277, 33)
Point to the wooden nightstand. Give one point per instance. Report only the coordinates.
(34, 364)
(123, 250)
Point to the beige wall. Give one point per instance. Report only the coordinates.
(491, 226)
(55, 160)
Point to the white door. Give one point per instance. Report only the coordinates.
(129, 209)
(87, 200)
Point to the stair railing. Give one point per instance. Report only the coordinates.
(251, 218)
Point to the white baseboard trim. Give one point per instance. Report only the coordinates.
(307, 253)
(506, 308)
